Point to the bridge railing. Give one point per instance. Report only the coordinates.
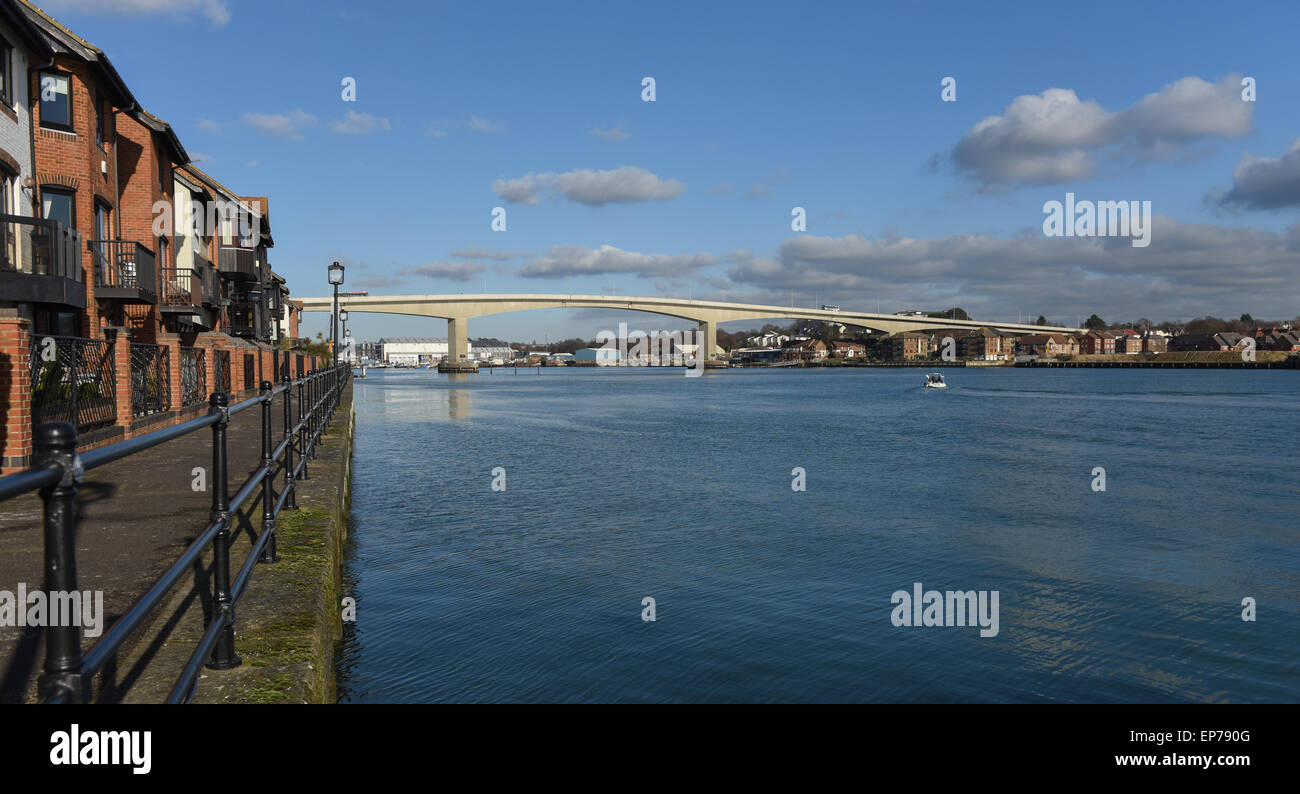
(57, 472)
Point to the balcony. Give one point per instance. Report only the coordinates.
(211, 282)
(182, 290)
(40, 262)
(124, 271)
(238, 263)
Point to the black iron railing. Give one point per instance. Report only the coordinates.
(194, 375)
(73, 380)
(221, 371)
(150, 378)
(57, 474)
(124, 269)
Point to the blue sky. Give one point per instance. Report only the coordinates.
(835, 108)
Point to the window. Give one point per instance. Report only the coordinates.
(56, 100)
(6, 77)
(101, 123)
(56, 204)
(101, 221)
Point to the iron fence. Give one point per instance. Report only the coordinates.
(73, 380)
(57, 473)
(194, 375)
(150, 378)
(221, 371)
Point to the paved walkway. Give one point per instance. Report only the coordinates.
(137, 516)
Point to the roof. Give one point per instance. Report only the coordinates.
(407, 340)
(15, 17)
(63, 41)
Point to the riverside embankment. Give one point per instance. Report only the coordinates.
(136, 517)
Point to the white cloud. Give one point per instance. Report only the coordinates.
(1188, 270)
(474, 252)
(580, 260)
(624, 185)
(354, 123)
(478, 124)
(217, 12)
(209, 126)
(1262, 183)
(1055, 137)
(453, 271)
(200, 157)
(281, 125)
(611, 134)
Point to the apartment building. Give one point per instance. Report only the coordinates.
(132, 284)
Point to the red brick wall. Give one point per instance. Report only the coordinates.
(74, 162)
(15, 395)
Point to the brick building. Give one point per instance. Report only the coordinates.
(118, 312)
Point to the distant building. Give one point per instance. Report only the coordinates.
(1154, 344)
(414, 350)
(906, 345)
(807, 350)
(986, 344)
(1097, 343)
(502, 354)
(845, 349)
(1047, 345)
(600, 356)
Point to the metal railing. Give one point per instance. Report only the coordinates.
(221, 371)
(39, 246)
(73, 380)
(194, 375)
(150, 378)
(57, 473)
(241, 262)
(123, 264)
(182, 287)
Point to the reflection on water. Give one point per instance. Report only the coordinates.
(631, 483)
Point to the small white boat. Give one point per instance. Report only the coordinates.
(934, 381)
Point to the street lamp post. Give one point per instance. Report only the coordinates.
(336, 278)
(343, 318)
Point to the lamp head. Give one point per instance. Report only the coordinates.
(336, 274)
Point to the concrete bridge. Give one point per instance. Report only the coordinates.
(458, 309)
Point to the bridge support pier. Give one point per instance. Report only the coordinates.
(706, 336)
(457, 359)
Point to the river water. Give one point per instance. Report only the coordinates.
(627, 484)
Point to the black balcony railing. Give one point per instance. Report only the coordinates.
(194, 375)
(211, 281)
(73, 380)
(238, 263)
(150, 379)
(182, 289)
(124, 270)
(40, 261)
(57, 473)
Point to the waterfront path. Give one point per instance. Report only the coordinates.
(136, 517)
